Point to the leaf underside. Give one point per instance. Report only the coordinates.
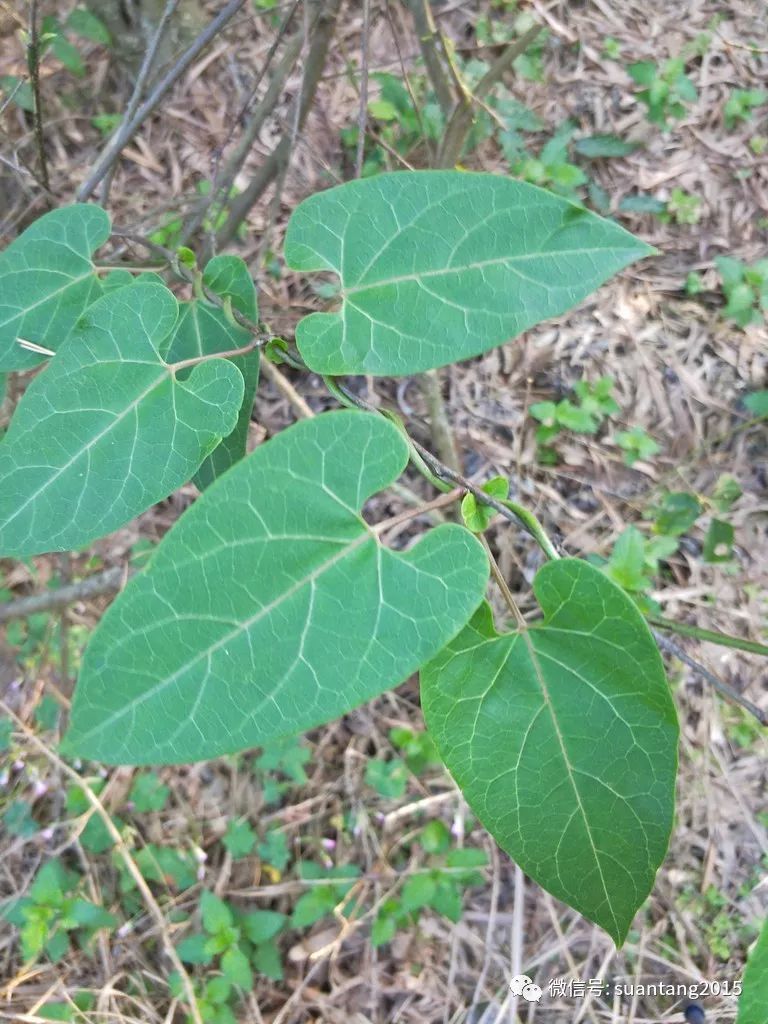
(106, 430)
(203, 329)
(438, 266)
(563, 739)
(47, 280)
(271, 606)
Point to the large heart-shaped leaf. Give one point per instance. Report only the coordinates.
(563, 738)
(437, 266)
(106, 429)
(203, 329)
(47, 280)
(271, 606)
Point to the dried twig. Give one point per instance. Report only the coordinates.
(223, 178)
(107, 582)
(129, 127)
(427, 33)
(670, 647)
(362, 113)
(460, 122)
(141, 81)
(241, 205)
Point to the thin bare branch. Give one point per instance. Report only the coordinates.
(460, 122)
(362, 113)
(33, 63)
(427, 33)
(107, 582)
(731, 694)
(241, 205)
(141, 82)
(129, 127)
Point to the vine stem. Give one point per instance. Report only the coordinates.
(125, 854)
(708, 635)
(33, 63)
(498, 576)
(723, 688)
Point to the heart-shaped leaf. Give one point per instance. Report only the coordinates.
(271, 606)
(47, 280)
(106, 429)
(437, 266)
(203, 329)
(563, 738)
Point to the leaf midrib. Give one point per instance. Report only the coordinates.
(244, 626)
(533, 654)
(479, 265)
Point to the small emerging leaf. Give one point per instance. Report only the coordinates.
(476, 515)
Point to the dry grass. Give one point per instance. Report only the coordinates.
(680, 371)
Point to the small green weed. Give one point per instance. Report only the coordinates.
(666, 89)
(745, 288)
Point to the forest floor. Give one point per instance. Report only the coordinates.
(354, 796)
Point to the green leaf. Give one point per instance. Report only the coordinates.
(643, 72)
(47, 280)
(383, 930)
(148, 793)
(754, 998)
(235, 967)
(228, 276)
(627, 564)
(477, 516)
(18, 820)
(52, 882)
(262, 599)
(57, 1011)
(84, 23)
(596, 146)
(447, 900)
(678, 512)
(262, 925)
(266, 959)
(564, 741)
(90, 915)
(757, 403)
(216, 915)
(438, 266)
(718, 543)
(108, 429)
(239, 839)
(435, 837)
(164, 865)
(641, 204)
(418, 892)
(192, 950)
(203, 329)
(313, 905)
(388, 778)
